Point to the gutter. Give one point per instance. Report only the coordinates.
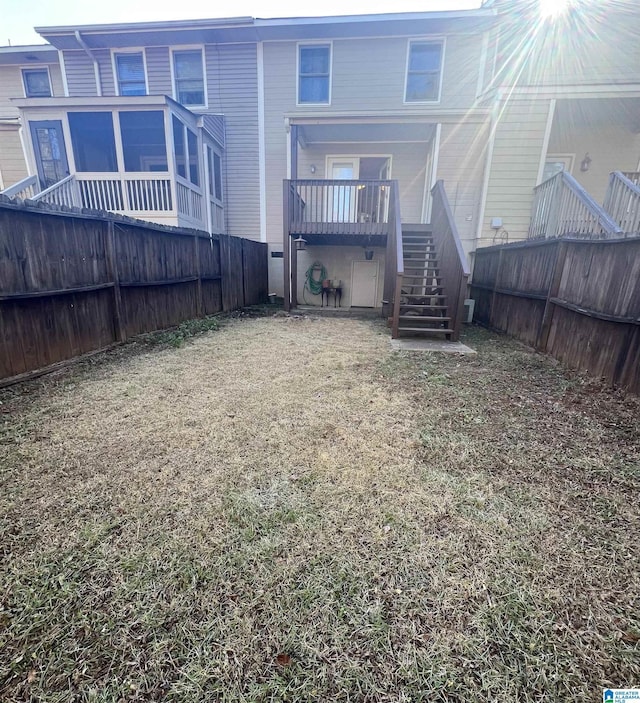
(96, 67)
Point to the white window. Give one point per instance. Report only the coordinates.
(130, 74)
(424, 69)
(36, 82)
(215, 173)
(314, 74)
(188, 77)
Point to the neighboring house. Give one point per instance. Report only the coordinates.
(491, 101)
(25, 71)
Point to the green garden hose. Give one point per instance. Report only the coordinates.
(311, 283)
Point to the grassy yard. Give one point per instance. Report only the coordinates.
(285, 510)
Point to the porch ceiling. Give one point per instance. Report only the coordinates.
(379, 132)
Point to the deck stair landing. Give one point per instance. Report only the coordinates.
(423, 302)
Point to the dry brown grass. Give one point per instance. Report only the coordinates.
(285, 510)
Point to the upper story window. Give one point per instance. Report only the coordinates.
(424, 69)
(36, 82)
(314, 74)
(188, 77)
(130, 74)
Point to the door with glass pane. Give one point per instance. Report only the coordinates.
(342, 200)
(50, 152)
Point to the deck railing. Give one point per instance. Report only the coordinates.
(622, 201)
(454, 268)
(394, 271)
(26, 188)
(339, 206)
(189, 202)
(562, 207)
(64, 192)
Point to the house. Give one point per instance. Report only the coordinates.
(327, 138)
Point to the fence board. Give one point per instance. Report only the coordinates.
(69, 287)
(576, 300)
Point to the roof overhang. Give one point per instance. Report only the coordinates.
(30, 54)
(248, 29)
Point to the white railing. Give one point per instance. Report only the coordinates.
(217, 217)
(189, 202)
(562, 207)
(623, 201)
(64, 192)
(26, 188)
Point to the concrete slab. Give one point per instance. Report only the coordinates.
(431, 345)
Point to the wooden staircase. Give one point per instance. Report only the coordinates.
(423, 296)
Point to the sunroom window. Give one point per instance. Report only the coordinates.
(92, 138)
(143, 141)
(423, 71)
(130, 74)
(314, 74)
(185, 146)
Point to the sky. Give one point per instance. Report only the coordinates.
(18, 17)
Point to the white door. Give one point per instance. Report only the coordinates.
(364, 284)
(342, 199)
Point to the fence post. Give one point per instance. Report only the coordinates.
(112, 273)
(196, 241)
(554, 287)
(495, 285)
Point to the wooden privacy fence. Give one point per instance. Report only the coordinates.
(577, 300)
(72, 283)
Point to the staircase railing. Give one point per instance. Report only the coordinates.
(562, 207)
(26, 188)
(64, 192)
(395, 258)
(454, 268)
(622, 201)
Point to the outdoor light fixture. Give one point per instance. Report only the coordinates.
(301, 244)
(312, 168)
(585, 164)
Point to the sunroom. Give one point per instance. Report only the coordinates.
(144, 156)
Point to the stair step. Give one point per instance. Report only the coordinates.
(424, 318)
(422, 295)
(429, 295)
(423, 269)
(430, 330)
(413, 306)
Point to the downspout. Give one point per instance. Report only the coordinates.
(96, 67)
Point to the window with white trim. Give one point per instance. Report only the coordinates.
(188, 76)
(130, 74)
(424, 69)
(36, 82)
(314, 74)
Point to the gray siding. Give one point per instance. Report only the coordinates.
(215, 126)
(158, 70)
(232, 87)
(80, 74)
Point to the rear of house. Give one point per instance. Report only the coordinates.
(325, 137)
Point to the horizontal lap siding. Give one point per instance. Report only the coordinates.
(519, 140)
(232, 84)
(12, 164)
(158, 70)
(408, 163)
(80, 74)
(461, 164)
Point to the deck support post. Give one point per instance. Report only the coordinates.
(286, 245)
